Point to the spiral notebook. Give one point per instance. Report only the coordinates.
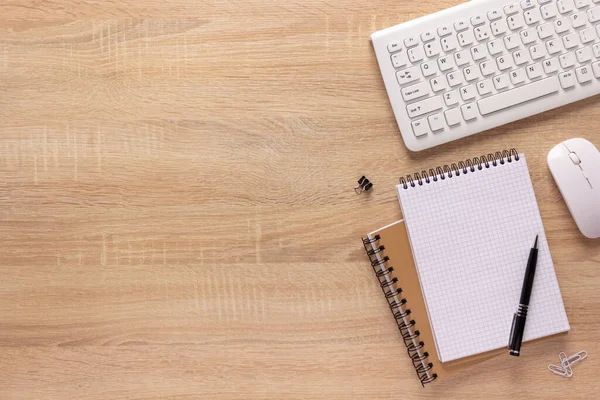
(390, 254)
(470, 227)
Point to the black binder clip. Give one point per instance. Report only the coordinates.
(364, 185)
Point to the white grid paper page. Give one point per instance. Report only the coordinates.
(471, 236)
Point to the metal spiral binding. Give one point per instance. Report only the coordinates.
(461, 168)
(398, 304)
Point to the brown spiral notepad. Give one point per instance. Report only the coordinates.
(391, 258)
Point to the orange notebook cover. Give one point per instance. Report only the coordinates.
(391, 258)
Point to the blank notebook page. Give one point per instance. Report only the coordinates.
(471, 236)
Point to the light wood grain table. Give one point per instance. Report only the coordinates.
(177, 214)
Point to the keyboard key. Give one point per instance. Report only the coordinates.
(540, 2)
(445, 63)
(411, 42)
(432, 49)
(567, 79)
(537, 52)
(562, 25)
(583, 74)
(565, 6)
(500, 82)
(461, 25)
(436, 122)
(424, 107)
(427, 36)
(521, 57)
(550, 65)
(495, 47)
(515, 22)
(512, 42)
(596, 69)
(394, 46)
(451, 98)
(534, 71)
(596, 49)
(494, 14)
(511, 9)
(466, 38)
(553, 46)
(570, 41)
(518, 95)
(527, 4)
(415, 91)
(454, 79)
(429, 68)
(467, 92)
(532, 16)
(415, 54)
(528, 36)
(566, 60)
(583, 55)
(477, 20)
(462, 58)
(578, 20)
(499, 27)
(469, 112)
(452, 117)
(484, 87)
(449, 43)
(438, 84)
(504, 63)
(479, 52)
(420, 128)
(549, 11)
(593, 14)
(482, 33)
(545, 30)
(517, 76)
(582, 3)
(587, 35)
(471, 73)
(399, 59)
(487, 68)
(444, 30)
(408, 75)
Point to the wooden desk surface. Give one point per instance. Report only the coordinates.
(177, 209)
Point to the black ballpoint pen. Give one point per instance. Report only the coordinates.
(518, 324)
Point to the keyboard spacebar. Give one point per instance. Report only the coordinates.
(519, 95)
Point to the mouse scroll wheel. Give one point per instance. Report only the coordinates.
(574, 158)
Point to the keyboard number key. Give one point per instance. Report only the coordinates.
(469, 111)
(436, 122)
(452, 117)
(549, 11)
(415, 54)
(565, 6)
(466, 38)
(567, 79)
(584, 74)
(420, 127)
(432, 49)
(532, 16)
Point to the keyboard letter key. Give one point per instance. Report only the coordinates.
(519, 95)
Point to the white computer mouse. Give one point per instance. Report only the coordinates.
(575, 166)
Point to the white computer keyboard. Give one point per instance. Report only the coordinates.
(486, 63)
